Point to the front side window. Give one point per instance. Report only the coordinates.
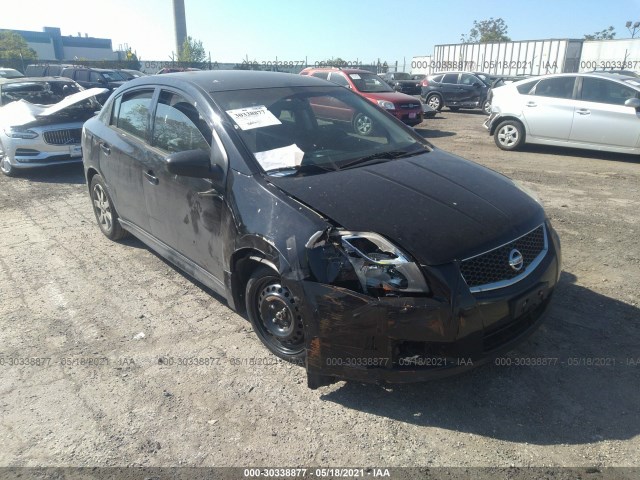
(605, 91)
(133, 113)
(178, 126)
(369, 83)
(556, 87)
(466, 79)
(82, 75)
(312, 130)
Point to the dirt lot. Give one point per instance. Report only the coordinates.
(104, 313)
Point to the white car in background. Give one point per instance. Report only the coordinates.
(594, 111)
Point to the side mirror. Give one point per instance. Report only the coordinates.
(190, 163)
(633, 103)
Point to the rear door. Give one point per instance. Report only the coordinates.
(470, 89)
(450, 89)
(548, 108)
(123, 151)
(601, 117)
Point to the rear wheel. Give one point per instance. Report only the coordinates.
(486, 107)
(435, 101)
(275, 315)
(106, 214)
(509, 135)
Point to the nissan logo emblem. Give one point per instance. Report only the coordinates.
(516, 261)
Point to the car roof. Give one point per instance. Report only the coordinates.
(225, 80)
(336, 69)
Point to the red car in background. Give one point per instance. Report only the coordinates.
(404, 107)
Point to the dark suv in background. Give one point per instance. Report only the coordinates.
(95, 77)
(402, 82)
(456, 90)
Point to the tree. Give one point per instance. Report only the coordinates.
(132, 59)
(485, 31)
(13, 45)
(192, 51)
(606, 34)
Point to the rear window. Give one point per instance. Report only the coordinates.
(525, 88)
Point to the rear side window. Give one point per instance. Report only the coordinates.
(323, 75)
(133, 113)
(178, 126)
(450, 78)
(437, 78)
(525, 88)
(557, 87)
(339, 79)
(82, 76)
(604, 91)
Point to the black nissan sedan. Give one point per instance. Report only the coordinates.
(375, 258)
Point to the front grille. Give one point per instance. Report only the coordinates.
(491, 269)
(70, 136)
(409, 105)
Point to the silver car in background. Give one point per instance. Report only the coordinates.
(41, 121)
(594, 111)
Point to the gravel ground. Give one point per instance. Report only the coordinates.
(112, 325)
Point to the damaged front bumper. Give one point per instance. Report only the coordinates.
(352, 336)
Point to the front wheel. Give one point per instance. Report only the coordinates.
(509, 135)
(275, 315)
(106, 214)
(363, 124)
(5, 164)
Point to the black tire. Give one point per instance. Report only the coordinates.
(5, 166)
(363, 124)
(274, 315)
(509, 135)
(106, 214)
(434, 101)
(454, 109)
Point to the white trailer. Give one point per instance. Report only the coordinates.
(610, 55)
(529, 57)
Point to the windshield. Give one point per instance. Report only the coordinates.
(41, 93)
(313, 130)
(369, 83)
(10, 73)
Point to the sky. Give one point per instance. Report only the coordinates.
(312, 30)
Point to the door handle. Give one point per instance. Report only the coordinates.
(209, 193)
(532, 104)
(105, 148)
(583, 111)
(152, 179)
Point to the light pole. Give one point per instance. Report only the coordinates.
(632, 27)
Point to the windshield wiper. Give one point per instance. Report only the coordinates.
(379, 157)
(295, 169)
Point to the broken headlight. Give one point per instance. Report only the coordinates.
(20, 132)
(382, 268)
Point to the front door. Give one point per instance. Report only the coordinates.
(184, 212)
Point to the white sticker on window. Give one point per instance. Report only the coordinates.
(355, 76)
(290, 156)
(253, 117)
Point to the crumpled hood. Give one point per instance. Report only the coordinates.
(436, 206)
(22, 112)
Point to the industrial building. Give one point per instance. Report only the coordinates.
(50, 44)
